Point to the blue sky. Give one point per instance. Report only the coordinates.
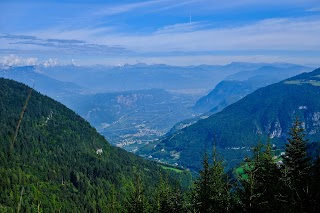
(160, 31)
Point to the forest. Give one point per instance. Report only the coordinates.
(266, 183)
(50, 163)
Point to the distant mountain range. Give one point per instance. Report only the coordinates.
(138, 77)
(267, 112)
(238, 85)
(33, 77)
(143, 76)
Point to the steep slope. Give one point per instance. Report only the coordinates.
(225, 93)
(55, 163)
(269, 111)
(238, 85)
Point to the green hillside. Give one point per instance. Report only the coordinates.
(54, 166)
(267, 112)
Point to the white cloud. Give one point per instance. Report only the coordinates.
(270, 34)
(73, 62)
(50, 62)
(195, 40)
(201, 5)
(13, 60)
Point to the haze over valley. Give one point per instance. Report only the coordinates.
(149, 106)
(135, 105)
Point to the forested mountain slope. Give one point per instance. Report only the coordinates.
(267, 112)
(58, 162)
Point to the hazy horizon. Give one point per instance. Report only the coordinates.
(183, 33)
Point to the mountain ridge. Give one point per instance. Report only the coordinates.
(238, 85)
(59, 160)
(269, 111)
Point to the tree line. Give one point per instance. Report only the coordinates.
(268, 183)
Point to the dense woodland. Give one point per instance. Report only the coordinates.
(267, 183)
(268, 110)
(52, 166)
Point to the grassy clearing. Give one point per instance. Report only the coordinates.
(293, 82)
(315, 83)
(241, 173)
(240, 170)
(172, 169)
(297, 82)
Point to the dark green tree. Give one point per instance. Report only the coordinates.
(137, 202)
(260, 182)
(201, 189)
(211, 192)
(248, 192)
(167, 198)
(177, 201)
(163, 195)
(219, 189)
(268, 177)
(112, 202)
(296, 170)
(316, 185)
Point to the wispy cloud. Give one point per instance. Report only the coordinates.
(66, 41)
(183, 27)
(13, 60)
(70, 46)
(110, 10)
(152, 29)
(314, 9)
(271, 34)
(189, 40)
(20, 37)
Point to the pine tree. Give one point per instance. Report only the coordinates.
(297, 169)
(220, 198)
(261, 182)
(137, 202)
(200, 193)
(268, 179)
(177, 201)
(316, 185)
(112, 203)
(163, 194)
(167, 199)
(212, 189)
(249, 194)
